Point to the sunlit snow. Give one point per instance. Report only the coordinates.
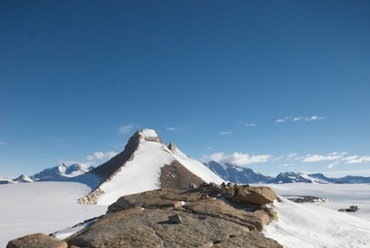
(45, 207)
(319, 224)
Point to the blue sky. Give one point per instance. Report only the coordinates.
(270, 85)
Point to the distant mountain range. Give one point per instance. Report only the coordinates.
(238, 174)
(146, 164)
(21, 179)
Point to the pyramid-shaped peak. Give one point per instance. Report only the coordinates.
(145, 164)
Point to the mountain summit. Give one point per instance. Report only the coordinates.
(145, 164)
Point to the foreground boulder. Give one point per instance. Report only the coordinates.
(36, 241)
(152, 228)
(253, 195)
(206, 216)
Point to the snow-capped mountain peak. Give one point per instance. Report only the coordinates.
(146, 164)
(62, 172)
(23, 179)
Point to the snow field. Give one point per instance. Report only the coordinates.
(320, 225)
(42, 207)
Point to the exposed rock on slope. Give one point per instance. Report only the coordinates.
(237, 174)
(145, 164)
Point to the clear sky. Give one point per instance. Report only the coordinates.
(270, 85)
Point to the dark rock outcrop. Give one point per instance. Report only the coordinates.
(37, 240)
(175, 175)
(151, 228)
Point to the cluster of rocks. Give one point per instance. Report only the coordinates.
(305, 198)
(206, 216)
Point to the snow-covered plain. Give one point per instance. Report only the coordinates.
(46, 207)
(319, 225)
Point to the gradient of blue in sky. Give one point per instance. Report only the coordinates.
(285, 84)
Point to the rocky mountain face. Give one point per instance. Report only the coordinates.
(207, 216)
(351, 179)
(145, 164)
(237, 174)
(290, 177)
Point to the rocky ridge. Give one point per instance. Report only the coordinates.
(206, 216)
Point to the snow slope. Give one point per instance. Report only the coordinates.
(143, 171)
(140, 174)
(319, 225)
(338, 195)
(42, 207)
(310, 226)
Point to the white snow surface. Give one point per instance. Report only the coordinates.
(148, 133)
(320, 225)
(42, 207)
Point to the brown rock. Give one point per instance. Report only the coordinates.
(151, 228)
(176, 219)
(149, 199)
(37, 240)
(177, 176)
(253, 195)
(191, 217)
(219, 209)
